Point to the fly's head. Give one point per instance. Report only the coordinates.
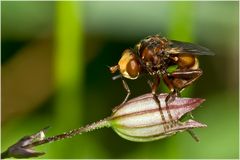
(128, 65)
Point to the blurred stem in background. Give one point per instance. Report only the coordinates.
(181, 28)
(69, 70)
(69, 65)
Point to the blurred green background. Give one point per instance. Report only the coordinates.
(54, 72)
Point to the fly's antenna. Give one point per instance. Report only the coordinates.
(113, 69)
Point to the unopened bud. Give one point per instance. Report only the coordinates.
(140, 120)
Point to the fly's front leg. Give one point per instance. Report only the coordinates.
(128, 91)
(154, 90)
(125, 86)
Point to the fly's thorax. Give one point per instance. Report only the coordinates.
(150, 55)
(151, 50)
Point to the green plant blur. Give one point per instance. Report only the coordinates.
(54, 72)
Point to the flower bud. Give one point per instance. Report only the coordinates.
(140, 120)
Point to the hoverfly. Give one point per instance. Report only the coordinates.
(154, 55)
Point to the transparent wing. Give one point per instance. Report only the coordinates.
(177, 47)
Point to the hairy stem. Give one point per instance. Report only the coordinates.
(72, 133)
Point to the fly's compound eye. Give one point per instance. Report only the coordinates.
(133, 68)
(128, 65)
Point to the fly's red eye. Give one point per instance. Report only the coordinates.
(133, 68)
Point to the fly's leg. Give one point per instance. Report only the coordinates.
(125, 86)
(128, 91)
(169, 84)
(190, 131)
(154, 90)
(194, 136)
(182, 79)
(172, 95)
(177, 81)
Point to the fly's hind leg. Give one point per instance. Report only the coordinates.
(154, 90)
(182, 79)
(125, 86)
(177, 81)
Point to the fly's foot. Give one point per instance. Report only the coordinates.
(169, 126)
(165, 128)
(116, 108)
(173, 123)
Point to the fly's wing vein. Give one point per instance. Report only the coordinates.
(177, 47)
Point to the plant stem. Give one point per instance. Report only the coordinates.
(72, 133)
